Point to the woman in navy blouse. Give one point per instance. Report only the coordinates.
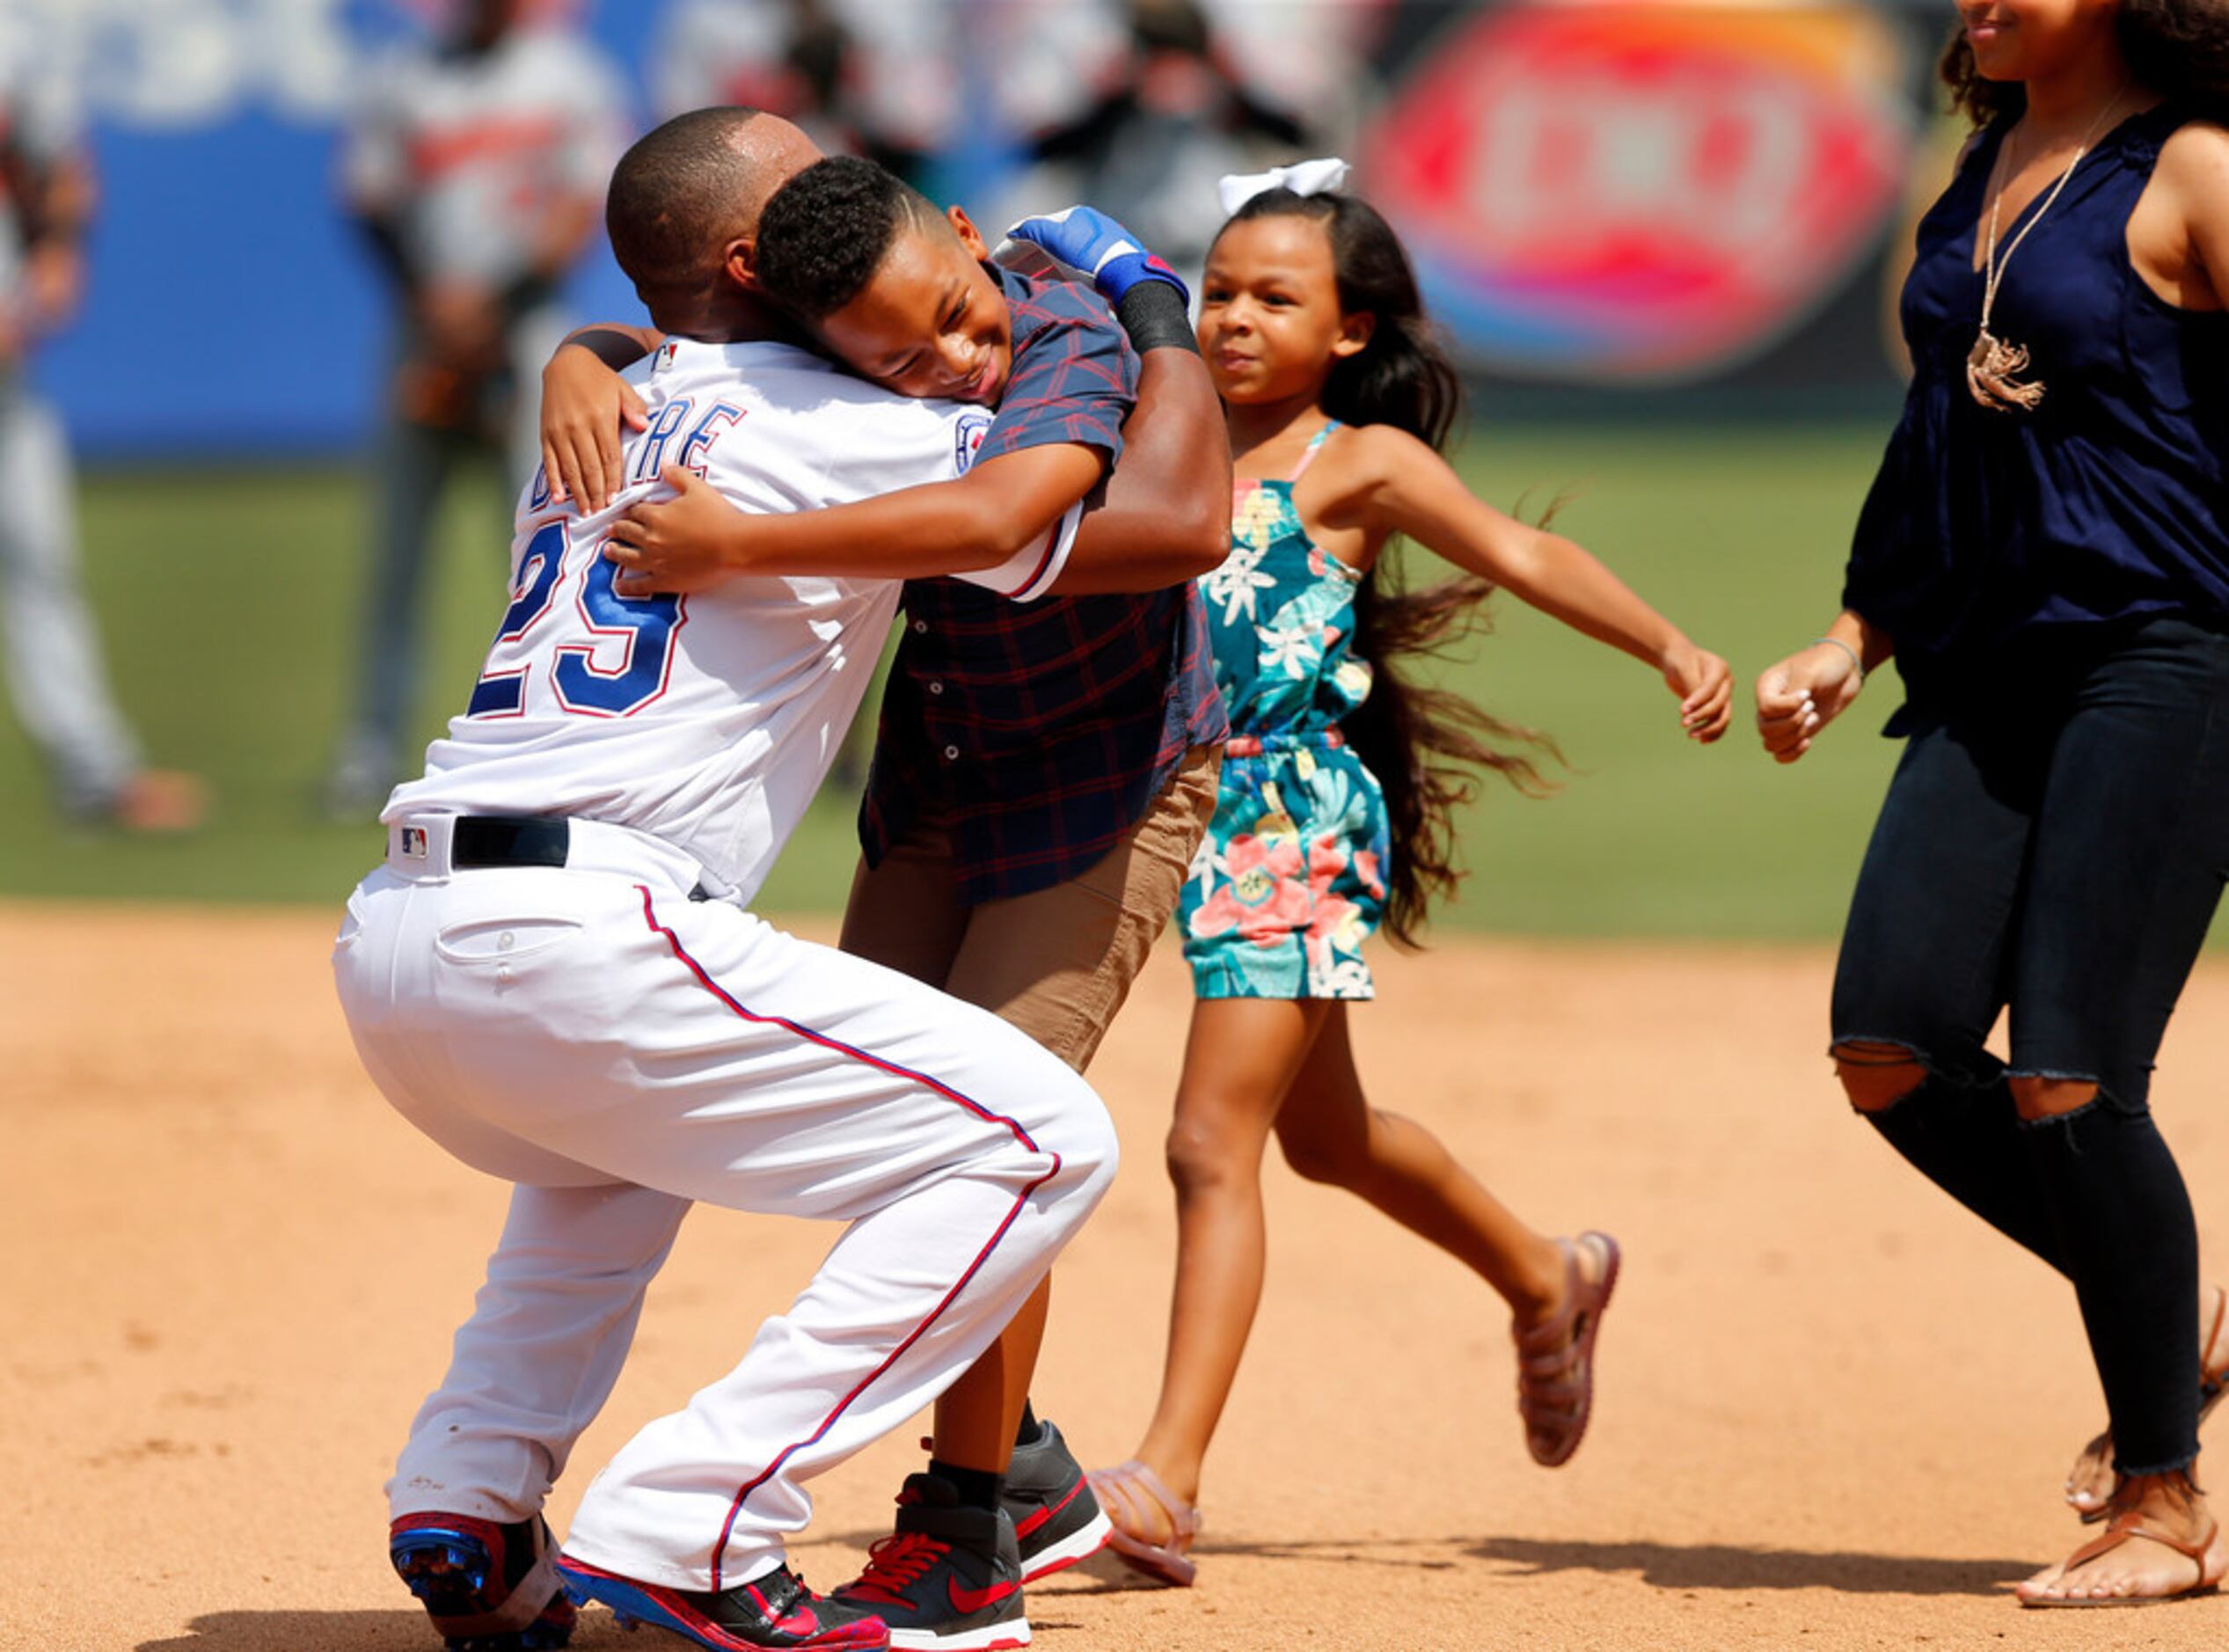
(2045, 556)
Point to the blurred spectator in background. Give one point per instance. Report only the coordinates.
(946, 93)
(476, 164)
(1175, 114)
(793, 58)
(52, 658)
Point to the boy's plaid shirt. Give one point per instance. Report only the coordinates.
(1042, 731)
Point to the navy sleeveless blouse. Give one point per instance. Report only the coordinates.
(1988, 527)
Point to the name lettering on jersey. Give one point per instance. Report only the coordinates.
(710, 425)
(696, 448)
(650, 458)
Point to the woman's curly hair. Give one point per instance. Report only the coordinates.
(2178, 48)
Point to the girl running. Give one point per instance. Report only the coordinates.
(2045, 554)
(1334, 809)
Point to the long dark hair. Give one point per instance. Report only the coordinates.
(1423, 744)
(2179, 49)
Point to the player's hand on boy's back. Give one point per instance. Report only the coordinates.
(586, 409)
(673, 546)
(1705, 685)
(1802, 695)
(1083, 244)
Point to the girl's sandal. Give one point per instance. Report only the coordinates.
(2126, 1526)
(2213, 1387)
(1127, 1492)
(1556, 1359)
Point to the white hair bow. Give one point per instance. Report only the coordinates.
(1302, 177)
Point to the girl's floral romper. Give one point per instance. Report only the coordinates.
(1291, 877)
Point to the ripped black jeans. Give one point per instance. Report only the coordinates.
(2055, 847)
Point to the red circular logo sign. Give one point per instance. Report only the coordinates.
(1635, 193)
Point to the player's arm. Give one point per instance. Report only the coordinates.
(1002, 508)
(586, 407)
(57, 206)
(1386, 481)
(375, 173)
(1165, 514)
(559, 235)
(1059, 427)
(45, 168)
(575, 169)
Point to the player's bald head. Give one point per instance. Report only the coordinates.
(690, 188)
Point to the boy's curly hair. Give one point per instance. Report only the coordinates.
(827, 229)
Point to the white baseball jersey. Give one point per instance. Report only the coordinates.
(50, 652)
(468, 151)
(707, 720)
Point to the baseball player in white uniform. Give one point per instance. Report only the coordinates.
(555, 975)
(474, 165)
(48, 641)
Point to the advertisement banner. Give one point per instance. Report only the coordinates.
(1642, 193)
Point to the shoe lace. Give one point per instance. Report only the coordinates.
(895, 1564)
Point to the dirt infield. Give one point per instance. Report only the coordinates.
(1833, 1413)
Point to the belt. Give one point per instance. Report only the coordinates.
(432, 846)
(482, 840)
(509, 840)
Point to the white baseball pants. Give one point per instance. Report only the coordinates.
(49, 644)
(620, 1050)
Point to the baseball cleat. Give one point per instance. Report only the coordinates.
(948, 1579)
(1057, 1521)
(485, 1587)
(775, 1610)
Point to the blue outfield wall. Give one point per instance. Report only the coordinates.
(231, 309)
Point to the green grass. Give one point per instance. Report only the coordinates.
(224, 599)
(1739, 534)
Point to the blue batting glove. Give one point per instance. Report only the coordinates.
(1095, 248)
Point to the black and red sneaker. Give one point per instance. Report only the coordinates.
(948, 1579)
(487, 1587)
(775, 1611)
(1057, 1521)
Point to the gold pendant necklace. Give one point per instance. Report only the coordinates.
(1994, 366)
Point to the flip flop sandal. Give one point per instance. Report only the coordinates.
(2128, 1525)
(1127, 1492)
(2212, 1389)
(1556, 1359)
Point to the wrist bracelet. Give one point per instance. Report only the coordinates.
(1856, 665)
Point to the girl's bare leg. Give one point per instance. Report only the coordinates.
(1331, 1134)
(1238, 1064)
